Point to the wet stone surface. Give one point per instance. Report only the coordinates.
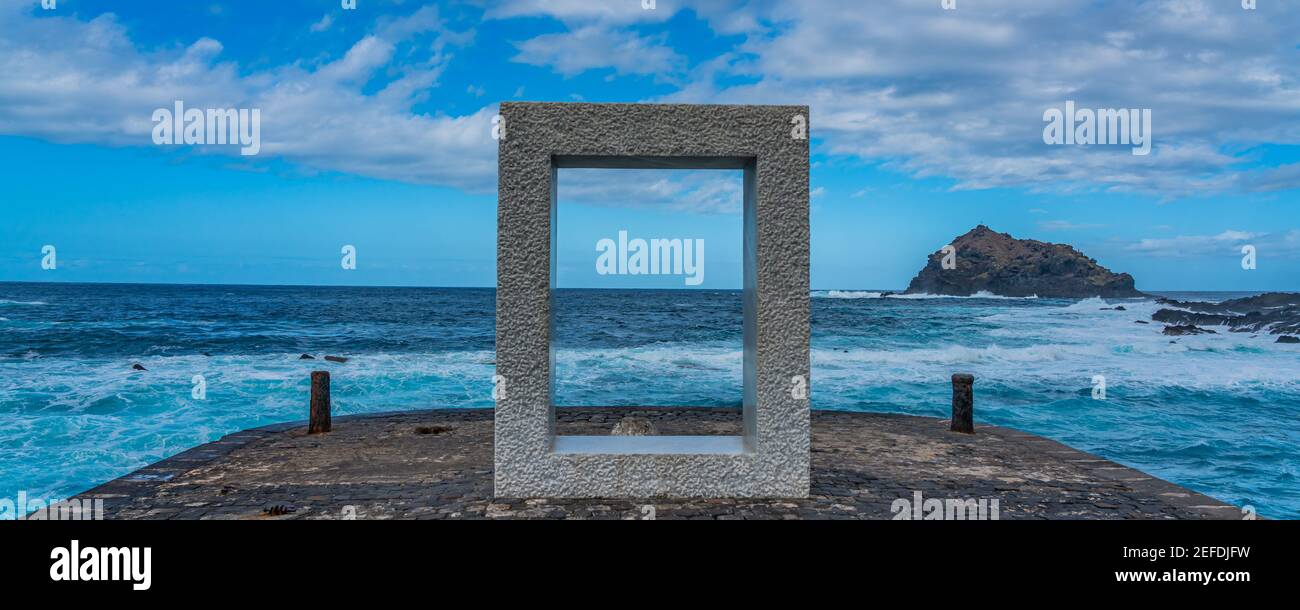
(438, 465)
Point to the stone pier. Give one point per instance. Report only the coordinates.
(437, 464)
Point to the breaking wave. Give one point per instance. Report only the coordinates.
(983, 294)
(846, 294)
(74, 414)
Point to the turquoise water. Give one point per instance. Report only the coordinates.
(1217, 413)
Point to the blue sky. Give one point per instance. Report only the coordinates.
(376, 133)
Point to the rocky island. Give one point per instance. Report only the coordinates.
(984, 260)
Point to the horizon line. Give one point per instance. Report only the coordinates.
(493, 287)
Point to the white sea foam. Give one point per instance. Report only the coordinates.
(68, 420)
(983, 294)
(1088, 304)
(9, 302)
(868, 294)
(846, 294)
(1064, 346)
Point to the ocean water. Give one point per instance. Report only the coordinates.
(1217, 413)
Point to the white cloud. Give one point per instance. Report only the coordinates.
(960, 94)
(1190, 246)
(699, 192)
(572, 11)
(1280, 178)
(599, 35)
(574, 52)
(1065, 225)
(324, 23)
(900, 83)
(104, 89)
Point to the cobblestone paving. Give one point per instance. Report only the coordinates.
(438, 465)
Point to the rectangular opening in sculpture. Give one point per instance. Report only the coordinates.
(648, 302)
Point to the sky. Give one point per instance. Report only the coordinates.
(376, 132)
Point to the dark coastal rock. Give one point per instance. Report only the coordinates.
(1288, 339)
(1140, 322)
(1268, 300)
(306, 357)
(1116, 308)
(339, 359)
(138, 367)
(1274, 312)
(1187, 330)
(1001, 264)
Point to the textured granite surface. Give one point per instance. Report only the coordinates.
(769, 144)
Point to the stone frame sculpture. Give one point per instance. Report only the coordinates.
(770, 145)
